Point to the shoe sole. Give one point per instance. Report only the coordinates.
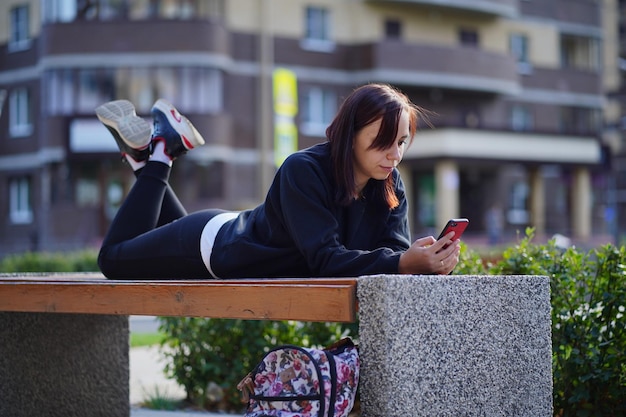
(119, 117)
(189, 135)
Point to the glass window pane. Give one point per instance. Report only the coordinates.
(20, 119)
(316, 23)
(61, 92)
(19, 29)
(88, 96)
(141, 90)
(165, 80)
(20, 209)
(317, 111)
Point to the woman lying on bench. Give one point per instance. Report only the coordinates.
(335, 209)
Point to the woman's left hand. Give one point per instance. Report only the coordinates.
(428, 256)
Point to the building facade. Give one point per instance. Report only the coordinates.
(518, 93)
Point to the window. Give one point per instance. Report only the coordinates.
(88, 91)
(318, 109)
(317, 30)
(580, 121)
(87, 192)
(393, 29)
(195, 89)
(71, 10)
(521, 118)
(200, 90)
(518, 201)
(3, 96)
(518, 45)
(19, 113)
(113, 198)
(579, 52)
(177, 9)
(20, 37)
(468, 37)
(20, 208)
(58, 10)
(60, 88)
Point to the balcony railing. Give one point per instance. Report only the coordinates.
(440, 66)
(149, 36)
(565, 81)
(505, 8)
(578, 12)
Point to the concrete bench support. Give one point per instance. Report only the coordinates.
(455, 345)
(55, 364)
(430, 345)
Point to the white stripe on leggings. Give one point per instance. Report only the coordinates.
(209, 233)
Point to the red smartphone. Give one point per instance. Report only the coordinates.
(456, 225)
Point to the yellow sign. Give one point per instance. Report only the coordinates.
(285, 93)
(285, 111)
(285, 141)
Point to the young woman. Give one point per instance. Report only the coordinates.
(335, 209)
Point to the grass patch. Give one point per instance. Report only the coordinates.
(145, 339)
(158, 400)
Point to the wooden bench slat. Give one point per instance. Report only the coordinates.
(99, 278)
(288, 299)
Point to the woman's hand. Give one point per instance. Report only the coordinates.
(428, 256)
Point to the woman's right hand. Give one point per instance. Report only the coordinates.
(428, 256)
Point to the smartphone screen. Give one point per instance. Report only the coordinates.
(456, 225)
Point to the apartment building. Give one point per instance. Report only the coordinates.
(518, 92)
(618, 95)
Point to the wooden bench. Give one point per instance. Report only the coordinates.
(429, 345)
(327, 300)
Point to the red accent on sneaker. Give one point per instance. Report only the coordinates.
(188, 144)
(176, 116)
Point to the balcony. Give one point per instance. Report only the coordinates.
(516, 147)
(419, 65)
(496, 8)
(566, 80)
(131, 37)
(457, 68)
(575, 12)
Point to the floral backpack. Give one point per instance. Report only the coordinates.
(292, 381)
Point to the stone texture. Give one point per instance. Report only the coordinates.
(63, 365)
(455, 346)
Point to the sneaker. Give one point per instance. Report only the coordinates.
(174, 129)
(131, 132)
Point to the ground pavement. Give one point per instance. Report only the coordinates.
(147, 379)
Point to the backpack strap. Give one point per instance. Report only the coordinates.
(246, 386)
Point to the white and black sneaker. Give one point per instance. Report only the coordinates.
(131, 132)
(174, 129)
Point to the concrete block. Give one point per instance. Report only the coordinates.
(455, 346)
(64, 365)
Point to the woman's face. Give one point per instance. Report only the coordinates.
(377, 163)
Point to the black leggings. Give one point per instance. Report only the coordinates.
(152, 236)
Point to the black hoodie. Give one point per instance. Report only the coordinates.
(302, 231)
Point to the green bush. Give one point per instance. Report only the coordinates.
(588, 328)
(201, 351)
(470, 263)
(79, 261)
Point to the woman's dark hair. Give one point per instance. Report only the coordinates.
(363, 106)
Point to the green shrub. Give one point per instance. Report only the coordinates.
(200, 351)
(470, 263)
(80, 261)
(588, 328)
